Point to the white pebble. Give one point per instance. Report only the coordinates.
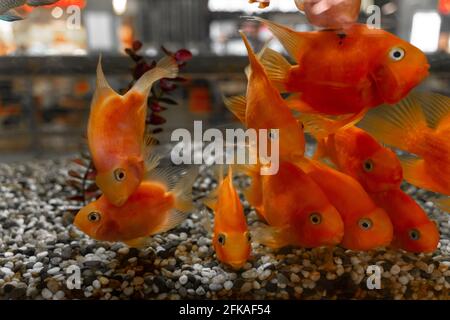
(46, 294)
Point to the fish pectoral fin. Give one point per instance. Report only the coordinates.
(206, 221)
(414, 172)
(238, 106)
(396, 125)
(273, 237)
(443, 204)
(435, 106)
(210, 201)
(141, 242)
(321, 126)
(183, 190)
(293, 41)
(277, 68)
(174, 218)
(11, 15)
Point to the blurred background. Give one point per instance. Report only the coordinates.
(47, 61)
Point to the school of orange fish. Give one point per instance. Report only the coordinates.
(348, 194)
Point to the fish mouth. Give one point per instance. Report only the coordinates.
(236, 265)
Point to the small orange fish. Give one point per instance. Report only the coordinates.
(297, 211)
(156, 206)
(231, 238)
(419, 125)
(330, 14)
(344, 72)
(413, 230)
(264, 108)
(366, 226)
(262, 3)
(116, 131)
(359, 155)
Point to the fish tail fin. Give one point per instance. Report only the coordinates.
(414, 171)
(400, 126)
(167, 67)
(272, 237)
(293, 41)
(277, 68)
(237, 105)
(320, 126)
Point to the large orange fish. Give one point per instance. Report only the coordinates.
(366, 226)
(413, 230)
(156, 206)
(264, 108)
(116, 131)
(346, 71)
(331, 14)
(419, 125)
(297, 211)
(231, 238)
(358, 154)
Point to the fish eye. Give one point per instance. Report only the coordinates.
(221, 239)
(365, 224)
(397, 54)
(94, 216)
(248, 236)
(315, 218)
(119, 174)
(368, 165)
(414, 234)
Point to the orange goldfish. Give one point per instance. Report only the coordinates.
(297, 211)
(231, 238)
(413, 230)
(344, 72)
(331, 14)
(156, 206)
(359, 155)
(366, 226)
(116, 132)
(264, 108)
(405, 127)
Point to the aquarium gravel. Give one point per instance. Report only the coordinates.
(40, 249)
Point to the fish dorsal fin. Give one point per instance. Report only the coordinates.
(396, 125)
(277, 68)
(238, 106)
(255, 64)
(435, 106)
(293, 41)
(103, 89)
(149, 144)
(167, 67)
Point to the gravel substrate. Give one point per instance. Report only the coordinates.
(38, 244)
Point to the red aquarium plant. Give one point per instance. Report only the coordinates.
(82, 179)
